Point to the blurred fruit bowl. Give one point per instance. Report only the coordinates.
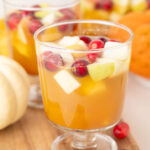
(111, 9)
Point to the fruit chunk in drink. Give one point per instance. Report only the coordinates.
(83, 91)
(23, 23)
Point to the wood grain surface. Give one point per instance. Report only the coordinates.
(34, 132)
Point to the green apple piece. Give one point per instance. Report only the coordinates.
(138, 5)
(42, 14)
(121, 6)
(100, 71)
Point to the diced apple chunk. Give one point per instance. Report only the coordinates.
(116, 50)
(68, 58)
(66, 81)
(101, 70)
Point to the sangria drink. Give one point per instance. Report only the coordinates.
(83, 74)
(23, 18)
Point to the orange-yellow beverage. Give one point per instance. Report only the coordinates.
(93, 105)
(83, 91)
(22, 24)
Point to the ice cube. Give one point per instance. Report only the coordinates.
(66, 81)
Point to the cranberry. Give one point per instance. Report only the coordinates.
(13, 20)
(36, 6)
(85, 39)
(45, 54)
(53, 61)
(103, 39)
(79, 68)
(97, 5)
(34, 25)
(112, 40)
(26, 13)
(92, 57)
(107, 5)
(96, 44)
(121, 130)
(68, 13)
(65, 27)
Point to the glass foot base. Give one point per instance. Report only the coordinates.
(100, 142)
(35, 98)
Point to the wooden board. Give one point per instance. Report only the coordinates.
(33, 132)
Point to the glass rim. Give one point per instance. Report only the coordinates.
(52, 7)
(48, 44)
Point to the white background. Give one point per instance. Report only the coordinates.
(137, 109)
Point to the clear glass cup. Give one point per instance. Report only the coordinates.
(23, 18)
(82, 95)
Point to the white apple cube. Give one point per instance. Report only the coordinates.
(49, 19)
(116, 50)
(68, 40)
(68, 58)
(66, 81)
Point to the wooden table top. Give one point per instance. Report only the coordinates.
(33, 132)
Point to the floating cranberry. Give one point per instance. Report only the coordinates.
(65, 27)
(79, 68)
(107, 5)
(96, 44)
(103, 39)
(13, 20)
(92, 57)
(53, 61)
(36, 6)
(68, 13)
(85, 39)
(121, 130)
(26, 13)
(112, 40)
(97, 5)
(45, 54)
(34, 25)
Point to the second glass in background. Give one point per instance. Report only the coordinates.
(23, 18)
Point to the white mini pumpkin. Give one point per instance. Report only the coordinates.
(14, 91)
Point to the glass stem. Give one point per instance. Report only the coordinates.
(84, 140)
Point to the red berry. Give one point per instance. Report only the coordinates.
(45, 54)
(98, 5)
(107, 5)
(112, 40)
(79, 68)
(85, 39)
(92, 57)
(65, 27)
(36, 6)
(68, 13)
(103, 39)
(13, 20)
(121, 130)
(34, 25)
(53, 61)
(26, 13)
(96, 44)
